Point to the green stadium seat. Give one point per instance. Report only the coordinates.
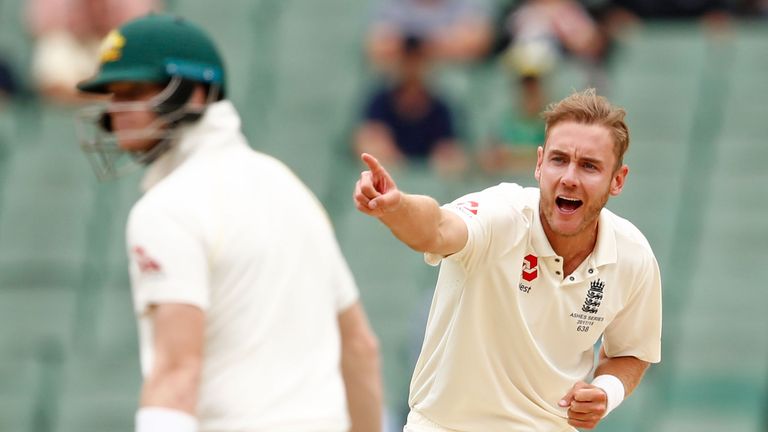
(698, 420)
(98, 395)
(46, 196)
(19, 393)
(31, 317)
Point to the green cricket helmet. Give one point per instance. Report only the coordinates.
(157, 49)
(154, 49)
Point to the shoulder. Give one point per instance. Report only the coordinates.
(175, 197)
(378, 104)
(380, 95)
(154, 204)
(508, 199)
(513, 195)
(440, 106)
(627, 231)
(631, 244)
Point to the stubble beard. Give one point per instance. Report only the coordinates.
(591, 214)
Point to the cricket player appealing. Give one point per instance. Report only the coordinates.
(530, 280)
(248, 315)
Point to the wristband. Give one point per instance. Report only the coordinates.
(158, 419)
(613, 387)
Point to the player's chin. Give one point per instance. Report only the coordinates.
(567, 228)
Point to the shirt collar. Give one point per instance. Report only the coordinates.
(539, 239)
(219, 118)
(605, 247)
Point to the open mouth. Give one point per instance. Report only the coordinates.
(567, 205)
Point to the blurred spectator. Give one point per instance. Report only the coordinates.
(408, 121)
(9, 87)
(567, 27)
(512, 145)
(673, 8)
(68, 34)
(564, 23)
(540, 33)
(752, 7)
(715, 15)
(453, 30)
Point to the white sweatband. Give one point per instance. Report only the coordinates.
(157, 419)
(613, 387)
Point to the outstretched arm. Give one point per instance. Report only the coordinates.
(416, 220)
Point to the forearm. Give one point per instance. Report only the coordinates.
(416, 222)
(361, 370)
(629, 370)
(174, 387)
(362, 379)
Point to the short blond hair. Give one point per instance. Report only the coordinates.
(587, 107)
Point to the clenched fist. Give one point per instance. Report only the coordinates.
(587, 404)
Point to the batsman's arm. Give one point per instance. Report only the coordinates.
(361, 369)
(170, 391)
(416, 220)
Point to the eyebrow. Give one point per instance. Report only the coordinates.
(583, 158)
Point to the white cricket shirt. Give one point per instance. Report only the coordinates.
(235, 233)
(507, 336)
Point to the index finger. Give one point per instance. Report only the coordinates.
(372, 163)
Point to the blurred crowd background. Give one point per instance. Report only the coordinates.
(447, 93)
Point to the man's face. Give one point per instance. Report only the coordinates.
(577, 173)
(126, 123)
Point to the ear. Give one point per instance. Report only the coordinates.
(539, 159)
(617, 182)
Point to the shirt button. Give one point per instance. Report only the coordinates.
(557, 273)
(557, 259)
(571, 278)
(591, 271)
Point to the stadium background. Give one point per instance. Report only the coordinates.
(697, 188)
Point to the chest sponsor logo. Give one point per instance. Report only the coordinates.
(530, 272)
(147, 264)
(530, 268)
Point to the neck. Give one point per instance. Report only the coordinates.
(574, 249)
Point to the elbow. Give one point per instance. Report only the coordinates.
(428, 242)
(422, 246)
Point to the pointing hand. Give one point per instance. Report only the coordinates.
(375, 192)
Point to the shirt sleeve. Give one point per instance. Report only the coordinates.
(494, 225)
(167, 262)
(636, 329)
(346, 288)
